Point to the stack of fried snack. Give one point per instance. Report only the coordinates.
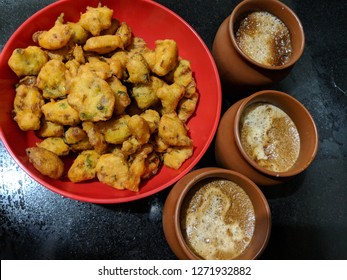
(94, 90)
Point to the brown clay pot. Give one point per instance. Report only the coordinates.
(230, 154)
(173, 203)
(238, 69)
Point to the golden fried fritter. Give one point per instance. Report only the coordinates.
(166, 56)
(169, 96)
(51, 79)
(60, 112)
(97, 66)
(122, 99)
(145, 95)
(96, 20)
(91, 97)
(173, 131)
(152, 165)
(28, 61)
(74, 134)
(55, 38)
(79, 34)
(50, 129)
(103, 44)
(46, 162)
(116, 130)
(139, 128)
(113, 170)
(55, 145)
(27, 107)
(96, 138)
(183, 75)
(138, 168)
(152, 117)
(176, 156)
(138, 69)
(124, 32)
(187, 106)
(84, 166)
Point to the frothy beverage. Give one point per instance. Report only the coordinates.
(269, 137)
(264, 38)
(217, 219)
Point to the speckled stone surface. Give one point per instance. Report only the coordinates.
(309, 214)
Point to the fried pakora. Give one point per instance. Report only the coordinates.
(55, 145)
(173, 131)
(84, 166)
(46, 162)
(166, 57)
(55, 38)
(91, 97)
(27, 107)
(95, 20)
(28, 61)
(93, 88)
(60, 112)
(51, 79)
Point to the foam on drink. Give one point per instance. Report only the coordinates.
(264, 38)
(269, 137)
(217, 219)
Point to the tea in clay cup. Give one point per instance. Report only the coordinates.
(230, 152)
(174, 211)
(238, 69)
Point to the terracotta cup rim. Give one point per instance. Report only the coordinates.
(217, 172)
(302, 120)
(284, 13)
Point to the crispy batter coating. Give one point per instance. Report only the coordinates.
(116, 130)
(97, 66)
(51, 79)
(187, 106)
(74, 134)
(138, 168)
(96, 20)
(112, 29)
(103, 44)
(122, 99)
(28, 61)
(91, 97)
(173, 131)
(152, 118)
(96, 138)
(84, 166)
(166, 56)
(124, 32)
(138, 70)
(139, 128)
(113, 170)
(55, 145)
(81, 146)
(55, 38)
(46, 162)
(79, 34)
(176, 156)
(50, 129)
(27, 107)
(183, 75)
(152, 165)
(60, 112)
(145, 95)
(169, 96)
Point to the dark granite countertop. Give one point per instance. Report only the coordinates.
(309, 214)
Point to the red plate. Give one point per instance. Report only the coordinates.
(148, 20)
